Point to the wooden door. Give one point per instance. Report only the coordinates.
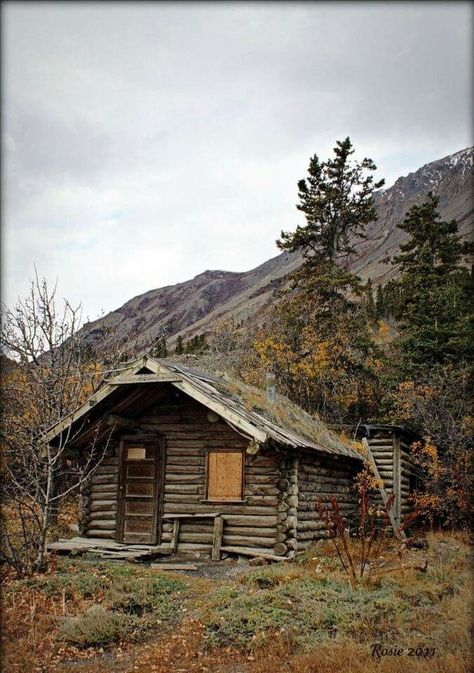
(140, 486)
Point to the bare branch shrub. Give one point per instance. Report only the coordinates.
(359, 555)
(47, 372)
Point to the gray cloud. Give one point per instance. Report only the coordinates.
(146, 142)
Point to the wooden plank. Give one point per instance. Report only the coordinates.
(125, 379)
(225, 475)
(199, 515)
(248, 551)
(217, 538)
(400, 534)
(397, 479)
(175, 535)
(173, 566)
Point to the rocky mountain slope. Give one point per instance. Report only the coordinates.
(193, 306)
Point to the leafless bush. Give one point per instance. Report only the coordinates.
(359, 555)
(47, 372)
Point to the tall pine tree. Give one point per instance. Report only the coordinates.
(434, 306)
(327, 331)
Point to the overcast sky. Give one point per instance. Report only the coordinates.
(146, 143)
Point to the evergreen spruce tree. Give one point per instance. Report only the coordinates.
(179, 346)
(380, 303)
(326, 307)
(337, 200)
(435, 307)
(369, 301)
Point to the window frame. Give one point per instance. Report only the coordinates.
(228, 501)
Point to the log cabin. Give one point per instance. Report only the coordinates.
(194, 463)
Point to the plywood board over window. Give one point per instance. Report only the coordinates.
(225, 471)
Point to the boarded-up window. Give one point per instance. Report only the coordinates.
(225, 475)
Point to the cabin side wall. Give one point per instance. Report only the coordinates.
(323, 476)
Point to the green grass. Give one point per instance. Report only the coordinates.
(295, 601)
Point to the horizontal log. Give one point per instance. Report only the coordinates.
(103, 504)
(102, 524)
(249, 531)
(269, 501)
(105, 488)
(182, 452)
(183, 498)
(200, 430)
(266, 471)
(386, 440)
(325, 494)
(248, 541)
(204, 538)
(105, 470)
(101, 514)
(194, 547)
(189, 526)
(309, 516)
(225, 508)
(108, 460)
(258, 489)
(92, 532)
(183, 488)
(183, 477)
(314, 524)
(254, 521)
(311, 535)
(184, 460)
(177, 470)
(327, 472)
(263, 461)
(105, 479)
(251, 551)
(318, 487)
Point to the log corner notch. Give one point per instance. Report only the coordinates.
(253, 447)
(286, 541)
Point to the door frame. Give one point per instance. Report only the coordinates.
(160, 456)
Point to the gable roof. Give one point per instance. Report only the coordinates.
(285, 423)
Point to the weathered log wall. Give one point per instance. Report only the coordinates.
(189, 434)
(98, 498)
(323, 476)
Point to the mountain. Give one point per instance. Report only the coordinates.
(451, 178)
(192, 307)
